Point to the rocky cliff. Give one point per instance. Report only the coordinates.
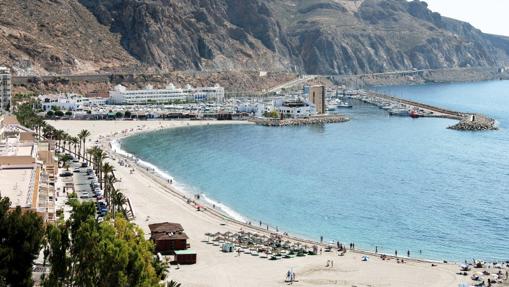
(311, 36)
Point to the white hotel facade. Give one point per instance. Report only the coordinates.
(121, 96)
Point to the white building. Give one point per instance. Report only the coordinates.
(120, 95)
(288, 107)
(5, 88)
(294, 108)
(69, 102)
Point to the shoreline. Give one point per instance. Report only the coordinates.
(154, 199)
(176, 189)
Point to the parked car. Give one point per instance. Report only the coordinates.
(66, 174)
(85, 195)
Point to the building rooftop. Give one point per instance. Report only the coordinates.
(165, 227)
(185, 252)
(17, 184)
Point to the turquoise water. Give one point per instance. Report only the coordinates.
(395, 183)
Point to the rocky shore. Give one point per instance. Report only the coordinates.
(475, 122)
(299, 122)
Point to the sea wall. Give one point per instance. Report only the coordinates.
(475, 122)
(301, 121)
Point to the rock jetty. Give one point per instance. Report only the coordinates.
(300, 121)
(475, 122)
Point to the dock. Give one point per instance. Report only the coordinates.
(401, 107)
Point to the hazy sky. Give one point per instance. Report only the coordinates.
(491, 16)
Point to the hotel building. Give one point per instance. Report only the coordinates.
(5, 88)
(27, 169)
(121, 96)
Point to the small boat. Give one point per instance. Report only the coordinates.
(344, 105)
(415, 114)
(331, 108)
(399, 112)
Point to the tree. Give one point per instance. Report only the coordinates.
(127, 114)
(83, 135)
(119, 115)
(50, 114)
(21, 235)
(111, 253)
(75, 141)
(64, 159)
(59, 113)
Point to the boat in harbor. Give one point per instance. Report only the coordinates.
(415, 114)
(399, 112)
(344, 105)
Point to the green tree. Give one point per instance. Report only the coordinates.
(64, 159)
(50, 114)
(83, 135)
(21, 235)
(111, 253)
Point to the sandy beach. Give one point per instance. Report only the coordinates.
(154, 200)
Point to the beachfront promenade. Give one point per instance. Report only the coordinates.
(156, 200)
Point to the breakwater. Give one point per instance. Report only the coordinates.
(326, 119)
(402, 107)
(475, 122)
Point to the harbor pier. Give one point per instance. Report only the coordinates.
(401, 107)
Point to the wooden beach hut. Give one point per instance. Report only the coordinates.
(168, 237)
(185, 257)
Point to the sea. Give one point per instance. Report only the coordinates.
(391, 183)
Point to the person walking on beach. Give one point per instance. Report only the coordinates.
(321, 239)
(408, 253)
(376, 249)
(396, 253)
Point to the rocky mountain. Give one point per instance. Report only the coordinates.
(311, 36)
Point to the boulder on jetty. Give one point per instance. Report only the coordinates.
(475, 123)
(300, 121)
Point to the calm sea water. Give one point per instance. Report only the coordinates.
(396, 183)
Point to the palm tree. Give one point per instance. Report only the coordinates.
(75, 141)
(59, 136)
(38, 124)
(64, 159)
(118, 200)
(99, 155)
(108, 178)
(83, 135)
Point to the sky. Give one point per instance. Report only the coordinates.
(491, 16)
